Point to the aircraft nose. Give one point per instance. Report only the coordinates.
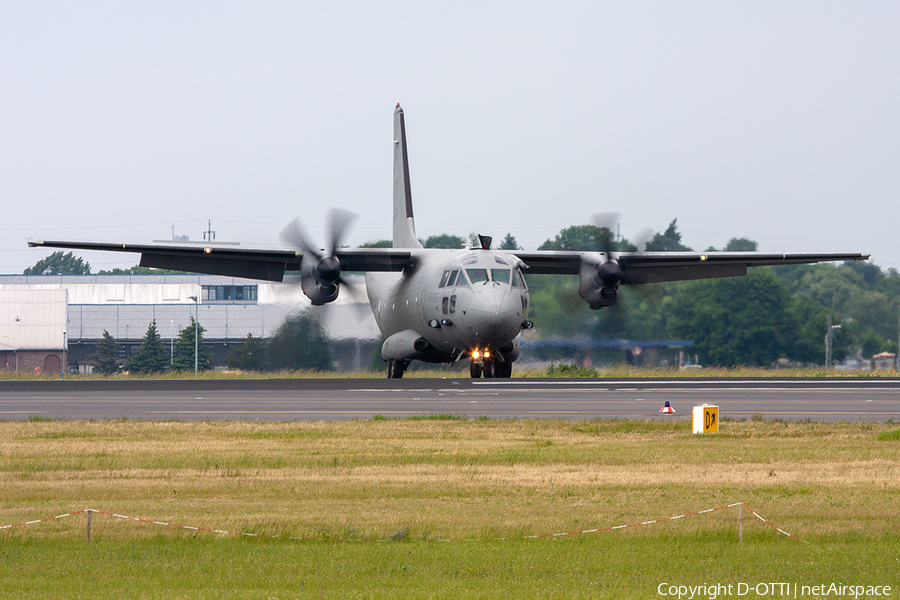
(493, 315)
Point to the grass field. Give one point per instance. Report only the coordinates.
(415, 508)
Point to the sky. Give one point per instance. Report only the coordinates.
(777, 121)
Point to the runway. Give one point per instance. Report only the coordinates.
(825, 399)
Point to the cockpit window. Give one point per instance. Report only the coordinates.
(500, 260)
(500, 275)
(469, 258)
(453, 278)
(477, 275)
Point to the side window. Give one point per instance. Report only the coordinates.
(444, 279)
(521, 277)
(451, 281)
(444, 301)
(453, 304)
(518, 280)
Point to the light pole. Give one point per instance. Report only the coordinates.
(65, 358)
(171, 341)
(196, 326)
(829, 335)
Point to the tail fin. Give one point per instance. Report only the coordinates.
(404, 223)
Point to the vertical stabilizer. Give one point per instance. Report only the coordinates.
(404, 223)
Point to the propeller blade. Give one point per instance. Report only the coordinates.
(642, 238)
(295, 235)
(340, 222)
(359, 297)
(607, 221)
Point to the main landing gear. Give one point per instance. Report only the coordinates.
(395, 368)
(490, 369)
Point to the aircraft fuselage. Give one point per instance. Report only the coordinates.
(450, 305)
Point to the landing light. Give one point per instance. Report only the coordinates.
(475, 354)
(207, 250)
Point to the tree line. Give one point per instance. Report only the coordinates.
(773, 313)
(299, 343)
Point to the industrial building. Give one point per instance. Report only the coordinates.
(50, 320)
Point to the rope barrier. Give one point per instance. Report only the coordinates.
(527, 537)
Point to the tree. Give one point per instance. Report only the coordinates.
(249, 356)
(445, 240)
(378, 244)
(735, 321)
(184, 349)
(300, 343)
(509, 243)
(60, 264)
(741, 245)
(579, 237)
(151, 357)
(139, 270)
(107, 355)
(871, 343)
(668, 241)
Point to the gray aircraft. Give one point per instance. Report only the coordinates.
(443, 306)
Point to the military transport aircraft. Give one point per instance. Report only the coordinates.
(444, 306)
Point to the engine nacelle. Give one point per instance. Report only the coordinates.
(318, 289)
(510, 352)
(598, 280)
(405, 345)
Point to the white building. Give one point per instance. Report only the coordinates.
(228, 308)
(32, 329)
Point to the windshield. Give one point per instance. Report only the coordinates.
(476, 275)
(501, 275)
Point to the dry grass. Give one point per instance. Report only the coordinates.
(461, 370)
(449, 479)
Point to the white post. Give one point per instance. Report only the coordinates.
(196, 300)
(196, 339)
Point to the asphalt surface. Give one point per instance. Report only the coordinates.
(826, 399)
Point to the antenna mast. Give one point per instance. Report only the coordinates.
(209, 234)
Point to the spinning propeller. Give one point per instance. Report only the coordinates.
(320, 269)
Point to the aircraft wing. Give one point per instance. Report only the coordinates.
(656, 267)
(235, 261)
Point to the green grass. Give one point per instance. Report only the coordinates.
(415, 507)
(612, 566)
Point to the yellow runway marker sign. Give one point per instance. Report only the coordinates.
(706, 419)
